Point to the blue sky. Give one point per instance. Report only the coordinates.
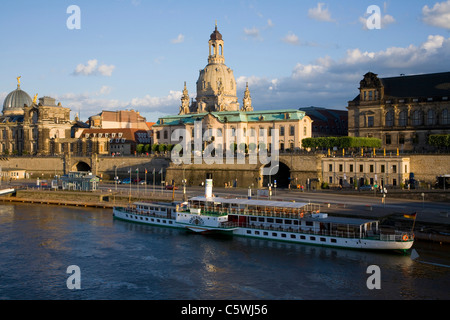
(136, 54)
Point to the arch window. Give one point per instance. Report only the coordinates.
(417, 118)
(430, 117)
(403, 118)
(444, 118)
(390, 118)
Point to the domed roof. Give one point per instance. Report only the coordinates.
(15, 101)
(214, 76)
(216, 35)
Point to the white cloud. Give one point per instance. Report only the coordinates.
(291, 38)
(178, 39)
(253, 32)
(438, 16)
(330, 82)
(91, 103)
(320, 13)
(269, 23)
(92, 68)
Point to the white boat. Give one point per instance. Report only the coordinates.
(297, 222)
(152, 213)
(287, 221)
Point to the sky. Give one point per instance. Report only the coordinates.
(137, 54)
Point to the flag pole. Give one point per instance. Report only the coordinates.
(414, 223)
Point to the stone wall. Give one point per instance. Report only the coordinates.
(427, 167)
(301, 166)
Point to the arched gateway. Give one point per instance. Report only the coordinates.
(281, 177)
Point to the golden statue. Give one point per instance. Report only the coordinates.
(18, 80)
(35, 98)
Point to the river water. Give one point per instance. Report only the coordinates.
(122, 260)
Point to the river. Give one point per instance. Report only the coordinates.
(121, 261)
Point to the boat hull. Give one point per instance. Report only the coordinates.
(330, 241)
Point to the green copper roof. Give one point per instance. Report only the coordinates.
(233, 116)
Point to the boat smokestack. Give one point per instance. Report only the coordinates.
(208, 186)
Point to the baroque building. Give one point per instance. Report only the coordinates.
(31, 127)
(217, 108)
(401, 111)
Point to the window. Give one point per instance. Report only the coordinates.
(388, 139)
(382, 168)
(281, 131)
(340, 168)
(430, 117)
(370, 121)
(444, 118)
(291, 130)
(371, 168)
(401, 139)
(361, 168)
(403, 118)
(390, 119)
(351, 168)
(330, 167)
(417, 118)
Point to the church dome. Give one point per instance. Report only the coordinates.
(214, 76)
(15, 101)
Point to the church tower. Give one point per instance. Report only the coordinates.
(216, 85)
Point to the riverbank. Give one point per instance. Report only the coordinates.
(425, 230)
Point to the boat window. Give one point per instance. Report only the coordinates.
(295, 222)
(283, 235)
(257, 232)
(302, 237)
(286, 221)
(309, 223)
(265, 233)
(270, 220)
(274, 234)
(249, 232)
(261, 219)
(333, 240)
(312, 238)
(279, 220)
(292, 236)
(252, 218)
(323, 239)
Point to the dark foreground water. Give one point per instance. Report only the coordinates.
(121, 260)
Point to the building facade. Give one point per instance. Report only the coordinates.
(357, 171)
(401, 111)
(29, 126)
(217, 109)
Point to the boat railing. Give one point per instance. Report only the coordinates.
(398, 236)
